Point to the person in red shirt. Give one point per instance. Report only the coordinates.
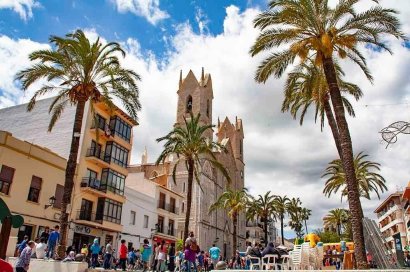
(5, 266)
(123, 255)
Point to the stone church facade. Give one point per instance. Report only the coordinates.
(196, 96)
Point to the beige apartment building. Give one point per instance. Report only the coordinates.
(390, 217)
(406, 198)
(105, 144)
(29, 176)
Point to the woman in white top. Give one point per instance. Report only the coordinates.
(41, 249)
(162, 256)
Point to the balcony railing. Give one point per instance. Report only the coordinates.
(96, 152)
(89, 216)
(167, 207)
(94, 184)
(254, 224)
(166, 230)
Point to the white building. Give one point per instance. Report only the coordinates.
(139, 215)
(160, 215)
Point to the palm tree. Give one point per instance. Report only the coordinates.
(306, 85)
(192, 148)
(366, 177)
(306, 213)
(280, 205)
(300, 29)
(336, 218)
(295, 212)
(234, 202)
(78, 71)
(262, 208)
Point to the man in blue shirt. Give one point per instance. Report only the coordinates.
(53, 240)
(22, 245)
(214, 252)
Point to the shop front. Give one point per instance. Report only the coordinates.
(84, 235)
(158, 239)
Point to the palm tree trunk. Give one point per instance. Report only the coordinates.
(333, 126)
(281, 230)
(189, 198)
(265, 229)
(306, 227)
(347, 159)
(234, 237)
(69, 175)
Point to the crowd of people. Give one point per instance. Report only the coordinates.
(158, 257)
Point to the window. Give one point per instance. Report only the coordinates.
(241, 147)
(208, 108)
(112, 181)
(95, 150)
(59, 196)
(189, 104)
(171, 224)
(161, 203)
(120, 128)
(116, 153)
(109, 210)
(146, 221)
(161, 224)
(86, 210)
(172, 205)
(183, 188)
(183, 207)
(132, 218)
(35, 188)
(99, 122)
(6, 178)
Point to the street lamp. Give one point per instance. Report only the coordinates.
(51, 202)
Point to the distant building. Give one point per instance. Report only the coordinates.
(151, 181)
(390, 217)
(98, 193)
(29, 176)
(406, 198)
(254, 231)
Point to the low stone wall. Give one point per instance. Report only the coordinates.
(38, 265)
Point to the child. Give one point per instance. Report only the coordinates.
(201, 261)
(123, 255)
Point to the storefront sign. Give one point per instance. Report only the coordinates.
(82, 229)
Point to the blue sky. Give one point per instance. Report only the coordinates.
(280, 155)
(49, 18)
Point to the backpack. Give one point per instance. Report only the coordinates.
(194, 246)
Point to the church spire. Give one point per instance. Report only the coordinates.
(180, 79)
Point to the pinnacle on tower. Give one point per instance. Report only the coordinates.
(202, 75)
(180, 79)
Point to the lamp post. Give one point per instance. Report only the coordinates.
(51, 202)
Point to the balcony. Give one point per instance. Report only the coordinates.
(166, 230)
(93, 183)
(391, 224)
(97, 156)
(167, 207)
(254, 225)
(89, 216)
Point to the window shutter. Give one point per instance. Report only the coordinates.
(36, 182)
(6, 174)
(59, 196)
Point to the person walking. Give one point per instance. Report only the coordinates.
(123, 255)
(107, 256)
(171, 257)
(146, 254)
(155, 257)
(52, 242)
(191, 249)
(131, 259)
(162, 256)
(214, 253)
(95, 250)
(23, 262)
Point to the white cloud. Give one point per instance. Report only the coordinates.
(146, 8)
(280, 155)
(22, 7)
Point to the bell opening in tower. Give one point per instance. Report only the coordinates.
(189, 104)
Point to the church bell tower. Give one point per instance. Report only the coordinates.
(195, 96)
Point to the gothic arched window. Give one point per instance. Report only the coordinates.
(189, 104)
(208, 108)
